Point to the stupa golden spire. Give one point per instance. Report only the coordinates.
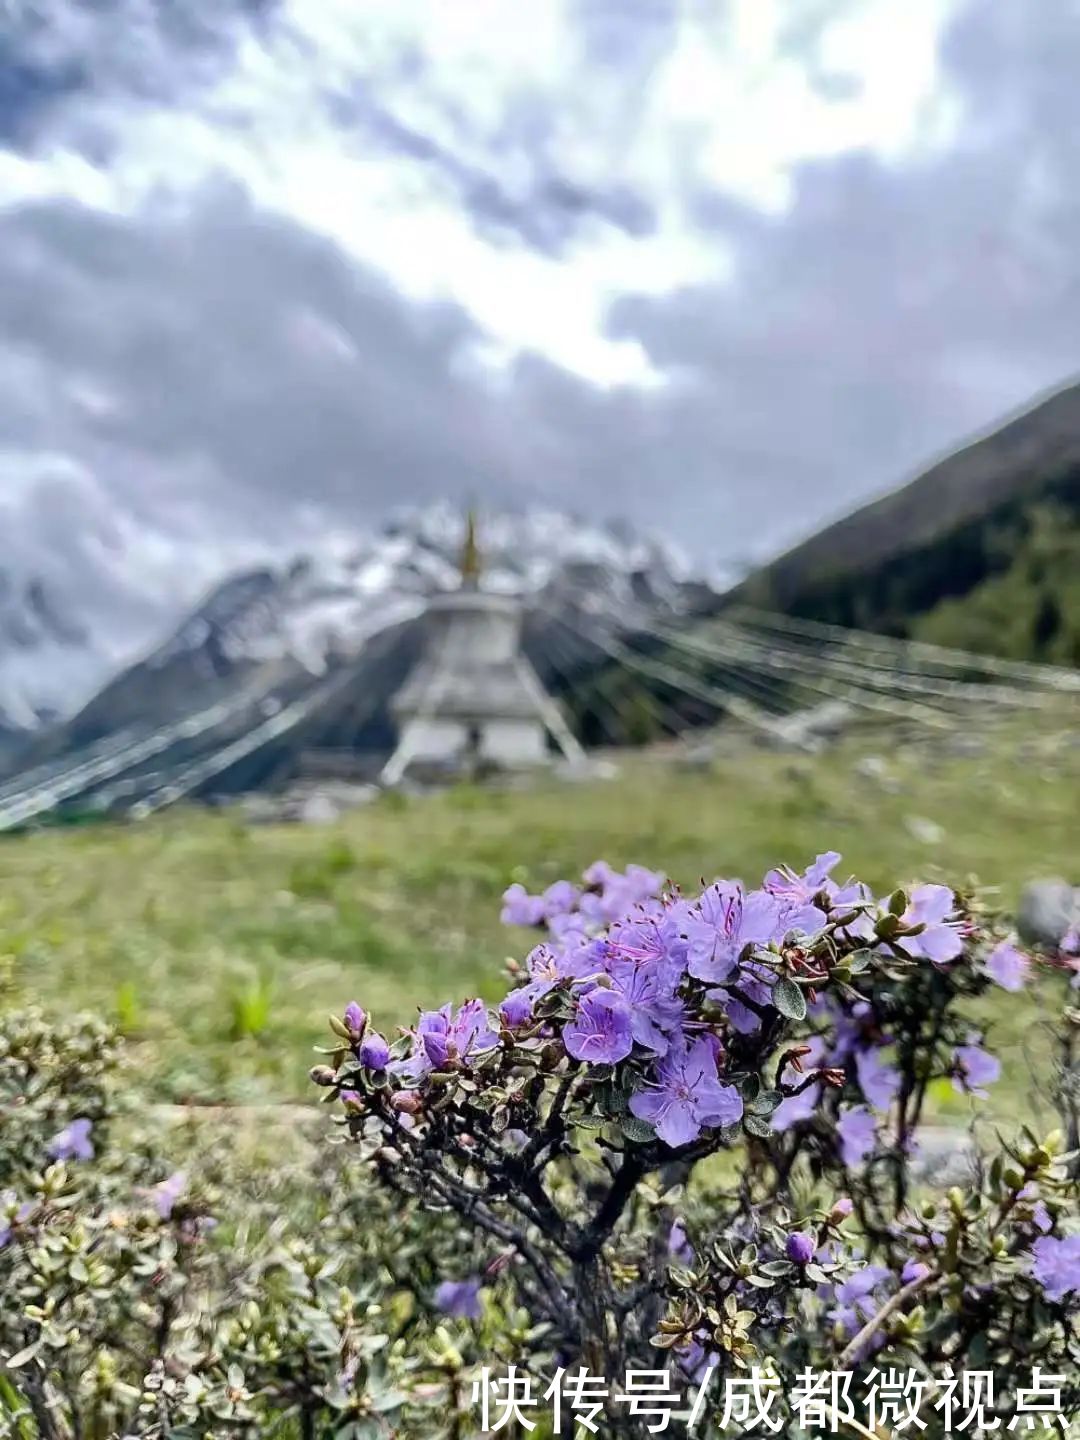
(470, 554)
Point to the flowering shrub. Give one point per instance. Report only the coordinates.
(691, 1130)
(143, 1299)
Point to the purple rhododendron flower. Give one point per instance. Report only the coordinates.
(695, 1361)
(374, 1051)
(559, 899)
(795, 1109)
(548, 966)
(857, 1130)
(355, 1017)
(800, 1247)
(687, 1095)
(793, 889)
(1008, 966)
(516, 1010)
(914, 1270)
(442, 1037)
(857, 1301)
(940, 939)
(720, 926)
(73, 1142)
(879, 1082)
(521, 908)
(975, 1068)
(460, 1299)
(679, 1247)
(167, 1192)
(613, 896)
(650, 940)
(797, 893)
(656, 1013)
(1055, 1263)
(601, 1030)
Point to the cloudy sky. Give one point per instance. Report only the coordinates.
(726, 267)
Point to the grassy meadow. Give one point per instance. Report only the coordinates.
(220, 947)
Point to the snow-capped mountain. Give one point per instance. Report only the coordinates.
(326, 603)
(269, 636)
(310, 608)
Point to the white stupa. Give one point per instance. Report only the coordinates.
(473, 700)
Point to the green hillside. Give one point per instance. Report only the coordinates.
(981, 552)
(1006, 582)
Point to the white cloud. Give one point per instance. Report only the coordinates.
(364, 120)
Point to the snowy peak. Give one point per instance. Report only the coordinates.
(328, 602)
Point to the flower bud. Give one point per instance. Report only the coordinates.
(407, 1102)
(374, 1051)
(800, 1248)
(322, 1075)
(355, 1018)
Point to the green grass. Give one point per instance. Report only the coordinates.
(221, 948)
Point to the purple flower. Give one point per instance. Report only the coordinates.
(355, 1018)
(914, 1270)
(695, 1361)
(1056, 1265)
(722, 924)
(1040, 1217)
(442, 1038)
(650, 940)
(547, 967)
(679, 1247)
(794, 889)
(974, 1068)
(559, 899)
(857, 1130)
(800, 1247)
(687, 1095)
(73, 1142)
(374, 1051)
(939, 940)
(1008, 966)
(857, 1301)
(601, 1030)
(167, 1192)
(796, 893)
(460, 1299)
(516, 1010)
(521, 908)
(879, 1082)
(794, 1109)
(613, 895)
(656, 1014)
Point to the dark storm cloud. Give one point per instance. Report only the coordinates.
(243, 347)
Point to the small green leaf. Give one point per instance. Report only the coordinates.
(636, 1130)
(756, 1125)
(764, 1103)
(789, 999)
